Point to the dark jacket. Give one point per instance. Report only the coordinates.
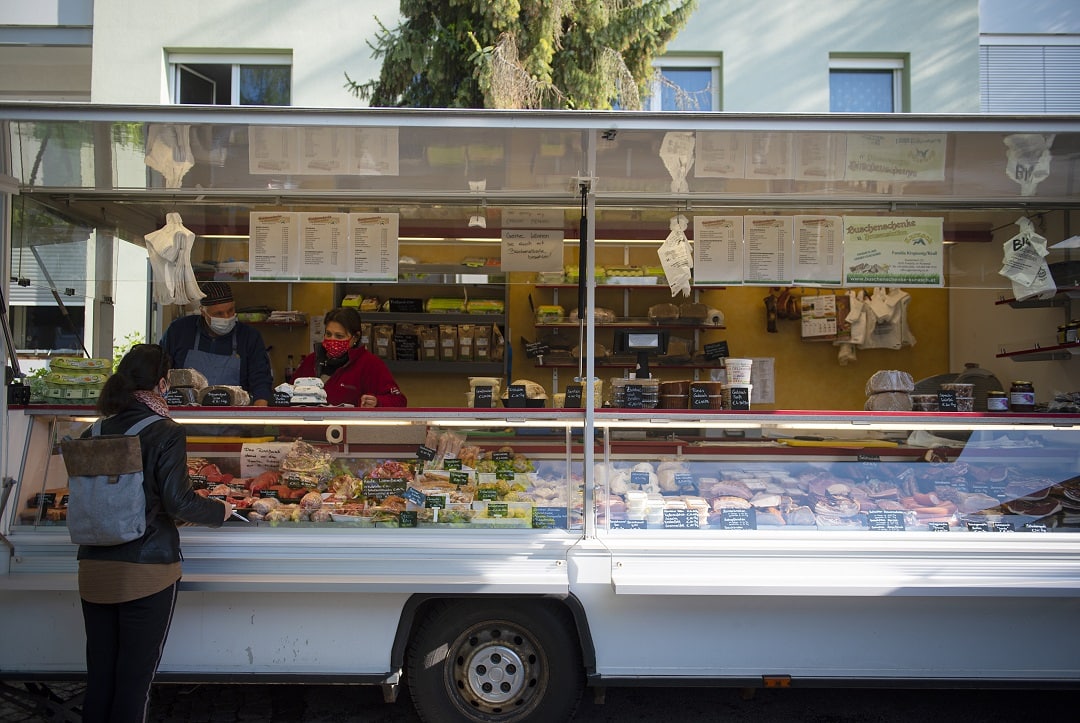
(256, 376)
(364, 373)
(169, 495)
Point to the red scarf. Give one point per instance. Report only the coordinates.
(152, 399)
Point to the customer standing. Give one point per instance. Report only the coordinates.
(224, 350)
(129, 590)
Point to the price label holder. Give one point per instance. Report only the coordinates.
(487, 493)
(885, 520)
(1004, 527)
(425, 453)
(639, 478)
(537, 350)
(740, 398)
(684, 480)
(634, 396)
(508, 475)
(174, 398)
(947, 401)
(451, 463)
(407, 518)
(459, 478)
(549, 518)
(676, 519)
(415, 496)
(977, 526)
(716, 350)
(216, 398)
(382, 487)
(501, 456)
(738, 519)
(699, 398)
(498, 509)
(515, 395)
(482, 397)
(573, 396)
(937, 526)
(628, 524)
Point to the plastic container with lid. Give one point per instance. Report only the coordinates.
(1022, 397)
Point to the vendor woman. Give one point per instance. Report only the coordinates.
(351, 374)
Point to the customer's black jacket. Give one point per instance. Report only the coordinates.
(169, 496)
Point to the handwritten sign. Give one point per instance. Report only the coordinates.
(425, 453)
(515, 395)
(549, 518)
(740, 398)
(628, 524)
(536, 349)
(639, 478)
(382, 487)
(482, 397)
(259, 457)
(937, 526)
(699, 398)
(885, 520)
(676, 519)
(459, 478)
(947, 401)
(733, 518)
(451, 463)
(415, 496)
(532, 250)
(716, 350)
(216, 398)
(573, 396)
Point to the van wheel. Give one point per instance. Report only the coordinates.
(491, 661)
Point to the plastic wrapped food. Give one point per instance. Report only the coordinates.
(187, 378)
(663, 312)
(889, 402)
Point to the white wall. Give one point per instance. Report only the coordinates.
(1009, 17)
(327, 38)
(776, 52)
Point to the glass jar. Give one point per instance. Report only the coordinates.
(997, 401)
(1022, 397)
(1072, 332)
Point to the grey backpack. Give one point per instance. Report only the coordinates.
(106, 502)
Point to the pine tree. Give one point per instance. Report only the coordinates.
(583, 54)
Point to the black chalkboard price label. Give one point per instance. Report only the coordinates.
(407, 518)
(732, 518)
(699, 398)
(684, 480)
(573, 396)
(1036, 527)
(501, 456)
(487, 493)
(536, 349)
(885, 520)
(639, 478)
(216, 398)
(451, 463)
(415, 496)
(174, 398)
(482, 397)
(716, 350)
(634, 396)
(937, 526)
(425, 453)
(1004, 527)
(508, 475)
(515, 395)
(740, 398)
(978, 527)
(628, 524)
(549, 518)
(676, 519)
(459, 478)
(947, 401)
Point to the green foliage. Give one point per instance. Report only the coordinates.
(122, 348)
(585, 54)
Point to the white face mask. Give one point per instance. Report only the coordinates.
(222, 326)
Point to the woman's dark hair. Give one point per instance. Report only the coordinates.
(346, 316)
(141, 368)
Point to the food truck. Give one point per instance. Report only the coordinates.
(688, 401)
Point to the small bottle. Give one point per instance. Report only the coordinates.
(290, 368)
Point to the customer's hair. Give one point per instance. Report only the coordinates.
(346, 316)
(141, 368)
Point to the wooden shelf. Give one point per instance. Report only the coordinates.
(437, 367)
(430, 317)
(630, 324)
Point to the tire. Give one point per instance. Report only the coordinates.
(492, 661)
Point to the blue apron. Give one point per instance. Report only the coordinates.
(217, 368)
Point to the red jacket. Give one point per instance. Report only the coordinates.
(364, 373)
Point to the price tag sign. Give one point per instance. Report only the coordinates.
(573, 396)
(699, 398)
(628, 524)
(684, 480)
(868, 458)
(44, 499)
(382, 487)
(515, 395)
(415, 496)
(1004, 527)
(549, 518)
(268, 493)
(639, 478)
(216, 398)
(501, 456)
(978, 527)
(738, 519)
(498, 509)
(634, 398)
(947, 401)
(174, 398)
(885, 520)
(487, 493)
(459, 478)
(432, 501)
(740, 398)
(407, 518)
(451, 463)
(425, 453)
(536, 349)
(938, 526)
(506, 474)
(681, 519)
(716, 350)
(482, 397)
(1036, 527)
(281, 399)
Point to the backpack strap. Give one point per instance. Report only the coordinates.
(95, 429)
(143, 424)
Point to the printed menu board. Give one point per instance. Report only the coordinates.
(894, 251)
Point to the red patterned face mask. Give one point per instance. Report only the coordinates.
(336, 347)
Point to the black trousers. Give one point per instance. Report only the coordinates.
(124, 642)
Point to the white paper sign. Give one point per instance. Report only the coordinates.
(272, 246)
(720, 154)
(532, 218)
(374, 152)
(767, 254)
(532, 250)
(259, 457)
(323, 150)
(818, 250)
(769, 156)
(895, 157)
(894, 251)
(819, 156)
(718, 250)
(374, 246)
(272, 149)
(324, 246)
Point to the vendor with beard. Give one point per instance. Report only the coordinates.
(350, 373)
(225, 351)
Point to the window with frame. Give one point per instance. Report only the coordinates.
(228, 79)
(866, 85)
(685, 83)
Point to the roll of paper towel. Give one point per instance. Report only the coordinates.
(335, 434)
